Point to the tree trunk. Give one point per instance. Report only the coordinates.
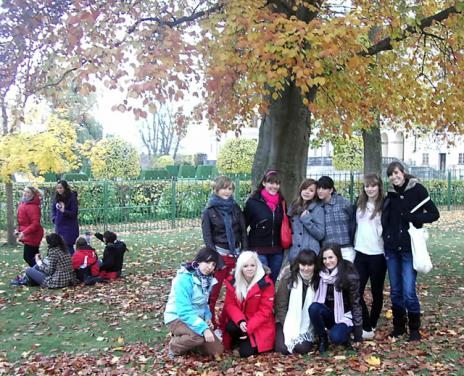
(10, 215)
(372, 149)
(284, 140)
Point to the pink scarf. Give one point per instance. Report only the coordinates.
(271, 200)
(339, 309)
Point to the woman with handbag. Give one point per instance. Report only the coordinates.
(265, 215)
(404, 194)
(307, 220)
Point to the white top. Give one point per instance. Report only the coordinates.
(368, 238)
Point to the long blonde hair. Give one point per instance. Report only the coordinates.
(241, 285)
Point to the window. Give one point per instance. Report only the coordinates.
(425, 159)
(461, 158)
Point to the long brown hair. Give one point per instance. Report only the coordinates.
(371, 179)
(298, 205)
(271, 176)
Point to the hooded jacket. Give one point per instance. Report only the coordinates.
(79, 258)
(29, 222)
(187, 302)
(396, 214)
(256, 309)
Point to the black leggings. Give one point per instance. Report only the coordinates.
(244, 345)
(373, 267)
(29, 254)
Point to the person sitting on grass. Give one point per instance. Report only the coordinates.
(85, 260)
(113, 255)
(55, 271)
(187, 312)
(294, 331)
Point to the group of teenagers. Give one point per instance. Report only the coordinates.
(70, 258)
(336, 248)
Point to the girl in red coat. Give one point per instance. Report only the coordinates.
(85, 260)
(29, 231)
(248, 319)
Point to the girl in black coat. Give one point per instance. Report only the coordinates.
(223, 229)
(264, 214)
(404, 194)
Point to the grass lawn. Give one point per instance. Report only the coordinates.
(117, 328)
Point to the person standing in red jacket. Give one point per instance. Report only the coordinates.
(29, 230)
(248, 319)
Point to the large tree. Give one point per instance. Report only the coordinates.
(292, 60)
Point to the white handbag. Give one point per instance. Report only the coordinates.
(420, 256)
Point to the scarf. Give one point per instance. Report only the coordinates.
(225, 207)
(271, 200)
(297, 325)
(321, 293)
(206, 280)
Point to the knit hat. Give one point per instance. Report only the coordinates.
(326, 182)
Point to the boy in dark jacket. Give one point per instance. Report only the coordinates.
(113, 255)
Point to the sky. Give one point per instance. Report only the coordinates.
(125, 125)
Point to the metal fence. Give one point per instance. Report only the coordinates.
(145, 205)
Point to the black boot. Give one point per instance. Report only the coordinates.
(399, 321)
(323, 343)
(414, 326)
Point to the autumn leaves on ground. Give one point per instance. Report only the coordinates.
(117, 328)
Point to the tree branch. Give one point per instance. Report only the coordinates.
(175, 21)
(386, 43)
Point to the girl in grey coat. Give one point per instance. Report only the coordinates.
(307, 220)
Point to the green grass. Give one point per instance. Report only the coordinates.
(117, 327)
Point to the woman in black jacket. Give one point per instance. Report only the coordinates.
(336, 303)
(223, 229)
(404, 194)
(264, 214)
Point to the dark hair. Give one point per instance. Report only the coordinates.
(271, 176)
(305, 257)
(110, 237)
(326, 182)
(206, 254)
(55, 241)
(344, 267)
(66, 194)
(298, 205)
(371, 179)
(81, 243)
(393, 165)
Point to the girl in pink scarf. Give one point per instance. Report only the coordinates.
(336, 304)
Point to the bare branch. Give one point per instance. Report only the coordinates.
(386, 43)
(175, 22)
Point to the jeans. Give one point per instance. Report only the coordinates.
(402, 280)
(323, 317)
(36, 275)
(241, 340)
(373, 268)
(274, 262)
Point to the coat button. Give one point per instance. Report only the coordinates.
(402, 197)
(399, 248)
(301, 233)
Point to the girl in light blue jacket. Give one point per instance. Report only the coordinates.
(187, 313)
(307, 219)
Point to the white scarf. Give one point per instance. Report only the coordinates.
(297, 325)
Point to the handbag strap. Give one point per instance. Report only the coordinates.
(425, 200)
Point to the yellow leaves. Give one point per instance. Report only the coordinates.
(372, 360)
(49, 150)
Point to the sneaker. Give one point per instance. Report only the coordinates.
(368, 334)
(171, 355)
(19, 281)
